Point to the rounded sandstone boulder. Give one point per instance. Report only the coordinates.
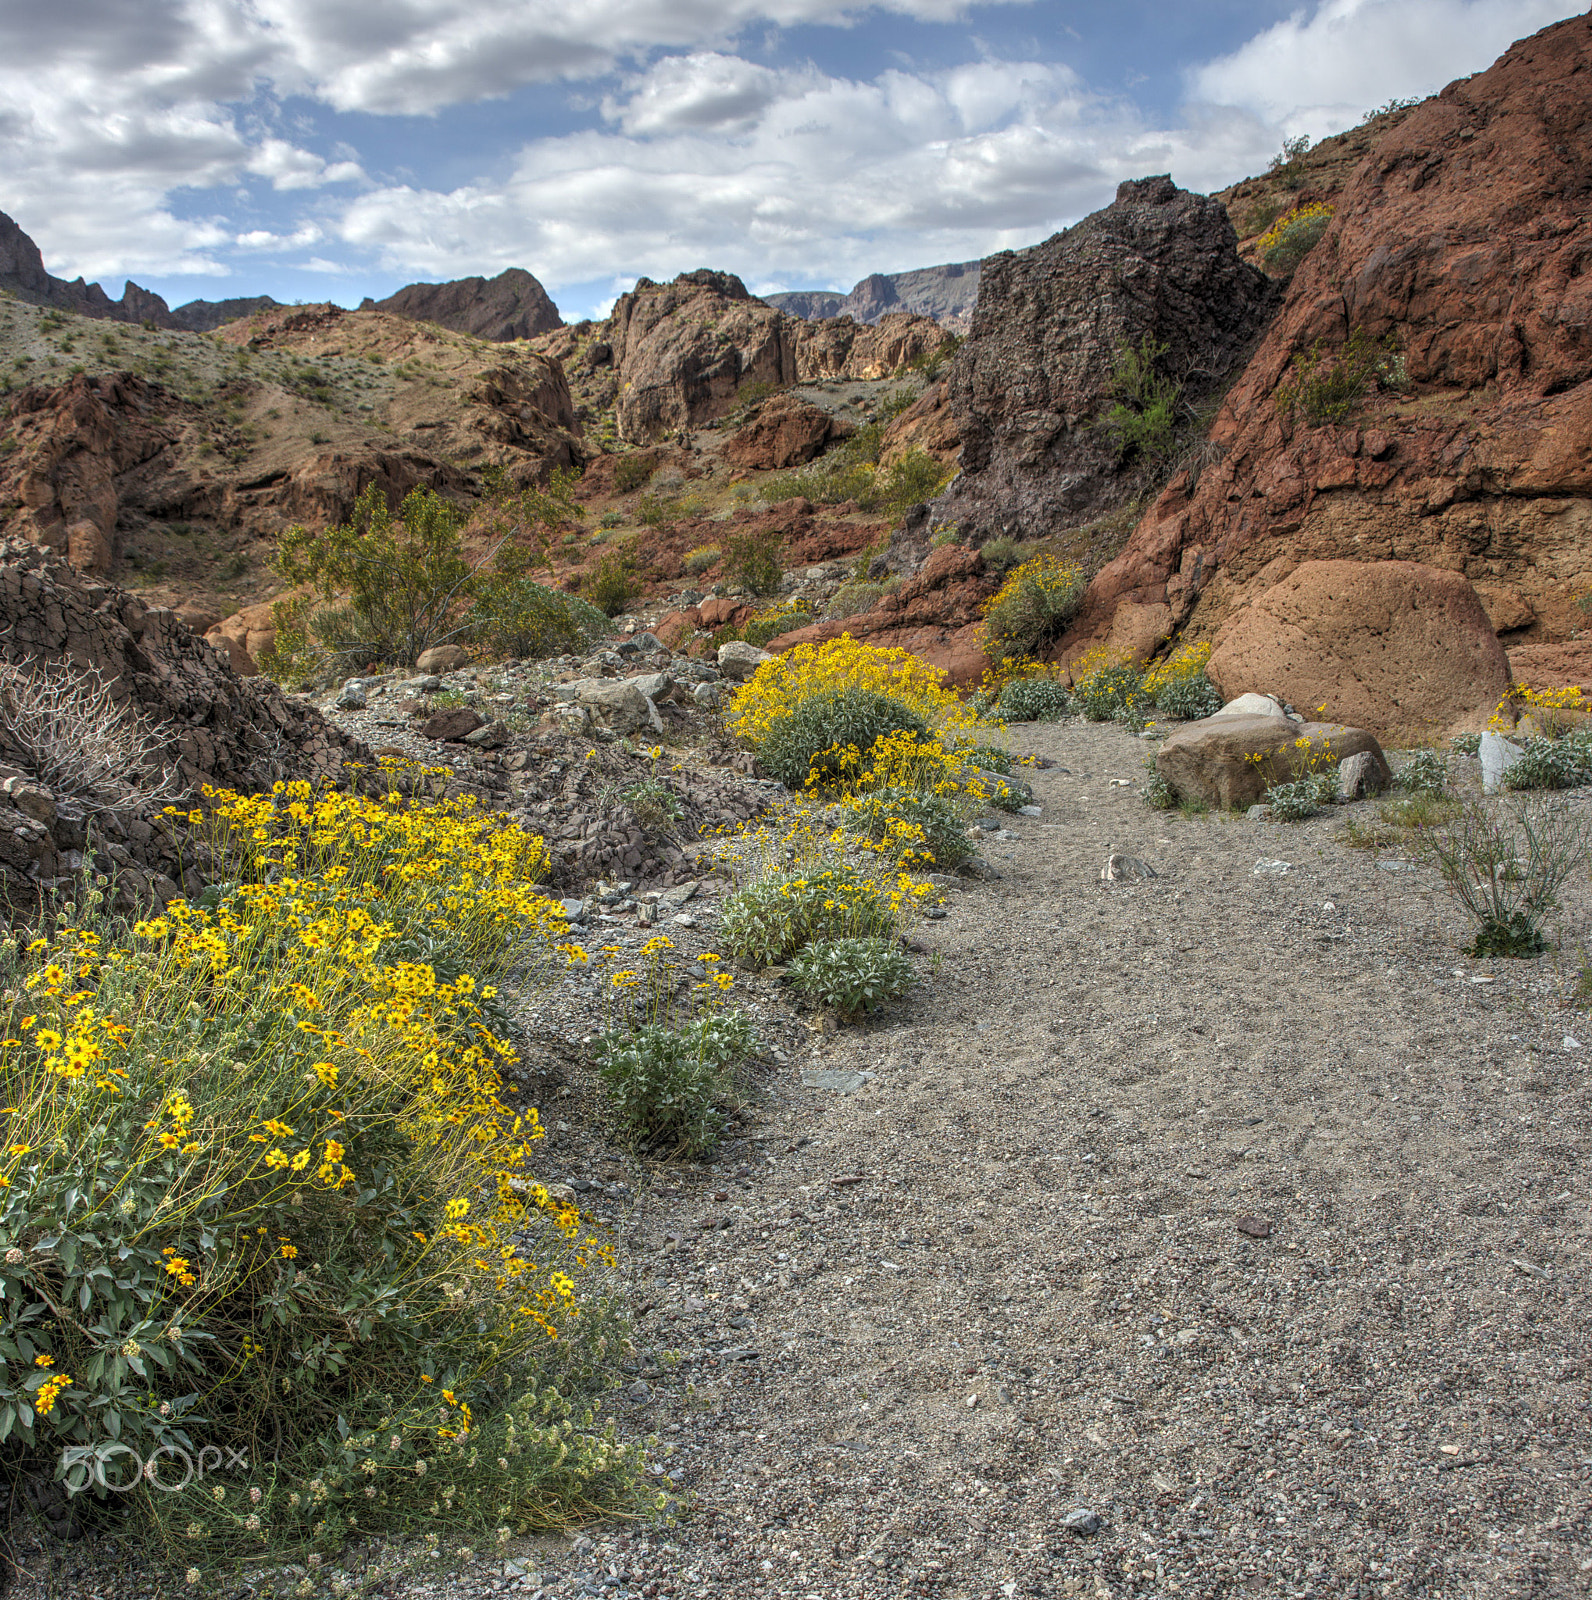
(1388, 645)
(1230, 761)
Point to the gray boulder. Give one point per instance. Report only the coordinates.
(739, 660)
(1498, 755)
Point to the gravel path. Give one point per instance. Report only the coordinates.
(1222, 1233)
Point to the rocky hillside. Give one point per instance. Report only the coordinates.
(1423, 394)
(512, 305)
(172, 459)
(945, 294)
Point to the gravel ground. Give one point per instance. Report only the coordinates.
(1214, 1234)
(1234, 1211)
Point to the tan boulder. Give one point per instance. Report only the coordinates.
(441, 658)
(1387, 644)
(1231, 761)
(245, 636)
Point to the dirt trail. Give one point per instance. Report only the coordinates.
(1009, 1278)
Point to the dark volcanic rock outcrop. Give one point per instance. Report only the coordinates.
(1031, 382)
(1464, 241)
(209, 726)
(513, 305)
(23, 273)
(202, 316)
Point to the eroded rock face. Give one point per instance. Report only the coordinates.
(837, 347)
(1032, 380)
(1463, 239)
(512, 305)
(945, 293)
(786, 432)
(1386, 645)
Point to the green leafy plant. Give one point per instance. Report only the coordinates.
(404, 574)
(852, 976)
(1505, 865)
(631, 472)
(771, 919)
(669, 1086)
(1190, 697)
(909, 481)
(1105, 685)
(611, 583)
(915, 828)
(752, 560)
(1157, 793)
(527, 620)
(1142, 418)
(784, 619)
(1303, 797)
(698, 561)
(1034, 700)
(1426, 772)
(1563, 763)
(655, 805)
(1287, 242)
(808, 746)
(1325, 384)
(1032, 608)
(857, 595)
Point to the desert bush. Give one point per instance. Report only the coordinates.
(520, 618)
(1106, 685)
(771, 624)
(1562, 763)
(609, 519)
(1142, 419)
(668, 1086)
(610, 584)
(698, 561)
(62, 725)
(911, 480)
(655, 511)
(1001, 553)
(631, 472)
(1032, 608)
(1466, 744)
(1289, 163)
(1033, 700)
(1325, 385)
(1178, 686)
(752, 560)
(404, 575)
(911, 827)
(779, 687)
(852, 976)
(1505, 865)
(261, 1146)
(809, 745)
(772, 918)
(858, 595)
(653, 804)
(1303, 797)
(1426, 772)
(1292, 237)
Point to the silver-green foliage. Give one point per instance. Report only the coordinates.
(852, 976)
(768, 920)
(1034, 700)
(1561, 763)
(1304, 797)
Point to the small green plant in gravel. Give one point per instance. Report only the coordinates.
(1466, 744)
(1426, 772)
(1562, 763)
(771, 919)
(669, 1087)
(1505, 865)
(852, 976)
(1303, 797)
(655, 805)
(914, 828)
(1157, 793)
(1106, 684)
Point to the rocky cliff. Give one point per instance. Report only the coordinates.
(1030, 385)
(512, 305)
(1451, 298)
(696, 349)
(945, 294)
(22, 274)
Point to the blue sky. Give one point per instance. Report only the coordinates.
(328, 149)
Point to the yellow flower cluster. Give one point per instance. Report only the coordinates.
(1181, 664)
(780, 685)
(1288, 220)
(1555, 709)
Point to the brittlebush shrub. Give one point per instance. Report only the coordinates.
(1178, 685)
(827, 733)
(1290, 239)
(266, 1189)
(1106, 685)
(1032, 608)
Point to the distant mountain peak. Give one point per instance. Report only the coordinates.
(946, 293)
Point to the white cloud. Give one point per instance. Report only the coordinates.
(791, 176)
(264, 239)
(288, 167)
(1318, 73)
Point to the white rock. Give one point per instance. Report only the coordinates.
(1498, 755)
(740, 660)
(1254, 705)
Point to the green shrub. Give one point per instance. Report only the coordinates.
(916, 829)
(1291, 240)
(1106, 686)
(1142, 419)
(1034, 700)
(1326, 385)
(1001, 554)
(632, 471)
(915, 478)
(521, 618)
(1563, 763)
(699, 560)
(668, 1086)
(1289, 163)
(653, 511)
(1304, 797)
(991, 758)
(786, 619)
(1190, 697)
(610, 585)
(609, 519)
(1426, 772)
(654, 804)
(771, 919)
(804, 747)
(404, 575)
(857, 595)
(1032, 608)
(752, 560)
(1466, 744)
(1157, 793)
(852, 976)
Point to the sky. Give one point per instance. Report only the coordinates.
(329, 149)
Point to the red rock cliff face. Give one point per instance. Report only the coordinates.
(1465, 237)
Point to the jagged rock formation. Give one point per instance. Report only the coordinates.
(210, 725)
(688, 352)
(945, 294)
(204, 316)
(22, 273)
(1033, 379)
(512, 305)
(1462, 241)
